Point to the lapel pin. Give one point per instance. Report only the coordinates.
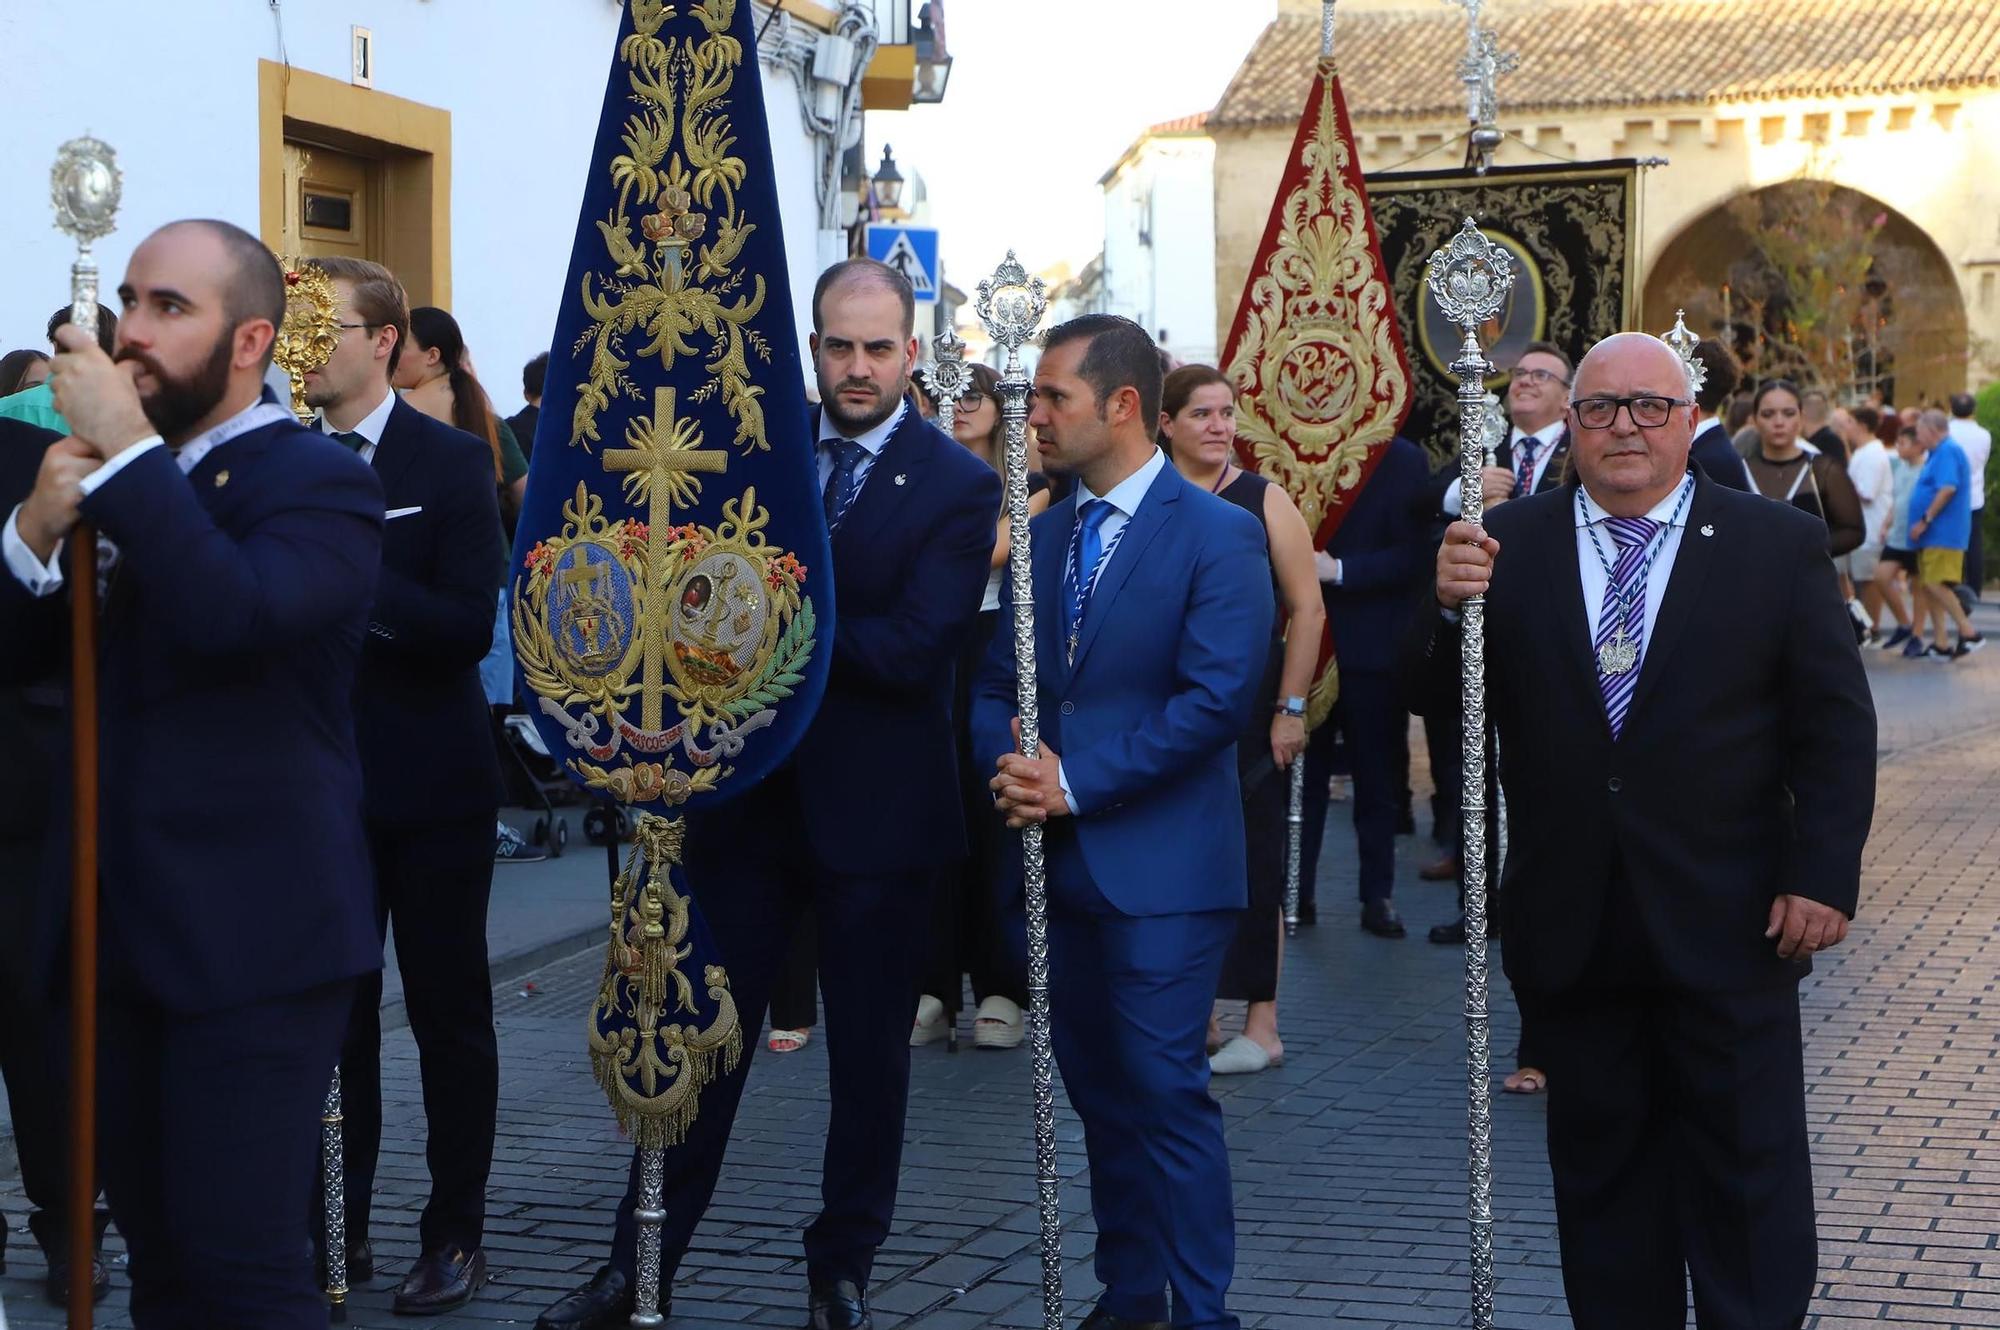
(901, 478)
(222, 478)
(1708, 530)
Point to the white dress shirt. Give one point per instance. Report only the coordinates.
(370, 428)
(872, 443)
(1542, 445)
(1124, 499)
(1591, 564)
(45, 579)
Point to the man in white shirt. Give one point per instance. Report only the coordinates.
(1976, 442)
(1875, 482)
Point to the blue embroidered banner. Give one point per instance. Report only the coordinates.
(672, 585)
(672, 590)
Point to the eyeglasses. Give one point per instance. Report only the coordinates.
(971, 400)
(1647, 412)
(1541, 376)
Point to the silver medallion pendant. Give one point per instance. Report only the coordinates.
(1619, 655)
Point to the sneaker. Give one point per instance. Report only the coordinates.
(1968, 645)
(510, 847)
(1896, 639)
(1937, 653)
(1913, 648)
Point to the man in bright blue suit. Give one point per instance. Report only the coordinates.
(1153, 616)
(858, 824)
(236, 901)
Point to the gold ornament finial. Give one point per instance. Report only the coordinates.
(311, 329)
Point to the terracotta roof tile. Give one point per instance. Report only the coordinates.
(1187, 124)
(1599, 53)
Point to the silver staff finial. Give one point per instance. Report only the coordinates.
(946, 376)
(1682, 339)
(1011, 305)
(85, 187)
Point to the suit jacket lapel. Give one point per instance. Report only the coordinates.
(393, 453)
(881, 496)
(1154, 510)
(1050, 551)
(1692, 562)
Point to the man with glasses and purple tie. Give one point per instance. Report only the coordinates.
(1532, 459)
(1687, 746)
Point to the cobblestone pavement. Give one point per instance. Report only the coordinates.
(1348, 1159)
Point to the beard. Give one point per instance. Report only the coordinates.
(178, 403)
(853, 423)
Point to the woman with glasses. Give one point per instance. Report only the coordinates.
(1785, 468)
(968, 936)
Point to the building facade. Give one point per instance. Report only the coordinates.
(448, 140)
(1159, 237)
(1888, 108)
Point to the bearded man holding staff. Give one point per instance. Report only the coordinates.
(1687, 746)
(237, 904)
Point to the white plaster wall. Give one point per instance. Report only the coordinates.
(1167, 284)
(172, 85)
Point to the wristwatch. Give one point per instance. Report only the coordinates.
(1292, 706)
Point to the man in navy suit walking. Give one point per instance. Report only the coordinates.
(1153, 615)
(431, 781)
(234, 870)
(858, 825)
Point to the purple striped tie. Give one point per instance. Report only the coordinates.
(1634, 536)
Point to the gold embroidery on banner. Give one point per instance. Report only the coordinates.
(1320, 380)
(652, 1068)
(660, 287)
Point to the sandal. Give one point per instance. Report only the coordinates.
(999, 1024)
(932, 1022)
(788, 1041)
(1526, 1080)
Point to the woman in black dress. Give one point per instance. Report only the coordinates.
(1198, 430)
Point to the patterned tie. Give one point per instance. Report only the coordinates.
(840, 486)
(1086, 552)
(354, 439)
(1634, 536)
(1524, 466)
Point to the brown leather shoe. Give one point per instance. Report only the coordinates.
(440, 1282)
(1442, 870)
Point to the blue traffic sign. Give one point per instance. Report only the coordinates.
(911, 251)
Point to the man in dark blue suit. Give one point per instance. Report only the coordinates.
(858, 825)
(234, 870)
(1153, 618)
(1369, 573)
(430, 781)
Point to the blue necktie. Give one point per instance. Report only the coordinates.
(1624, 611)
(840, 486)
(1086, 554)
(353, 439)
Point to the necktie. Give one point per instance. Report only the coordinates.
(1624, 612)
(1524, 466)
(1086, 559)
(355, 440)
(840, 485)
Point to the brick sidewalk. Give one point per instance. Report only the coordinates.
(1349, 1159)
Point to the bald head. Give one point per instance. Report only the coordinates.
(251, 283)
(853, 275)
(1630, 464)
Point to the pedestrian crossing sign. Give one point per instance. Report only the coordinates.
(911, 251)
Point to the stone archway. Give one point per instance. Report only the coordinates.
(1860, 264)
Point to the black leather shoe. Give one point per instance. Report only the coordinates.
(55, 1287)
(605, 1303)
(1308, 914)
(839, 1306)
(1381, 919)
(1104, 1320)
(441, 1281)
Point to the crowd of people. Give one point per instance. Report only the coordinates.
(344, 580)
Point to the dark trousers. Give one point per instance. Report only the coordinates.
(1370, 717)
(795, 987)
(1975, 554)
(433, 882)
(1442, 737)
(751, 885)
(208, 1137)
(1677, 1139)
(1130, 998)
(32, 1053)
(1250, 967)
